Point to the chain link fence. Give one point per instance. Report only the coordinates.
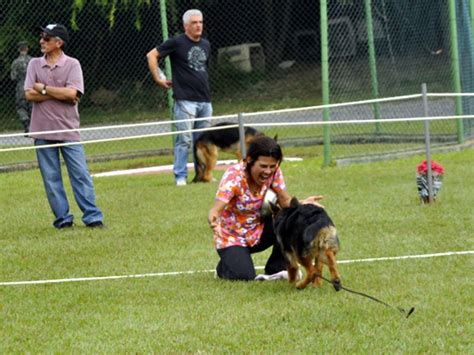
(266, 55)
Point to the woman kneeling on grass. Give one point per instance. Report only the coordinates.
(238, 226)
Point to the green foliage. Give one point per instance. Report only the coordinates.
(155, 227)
(19, 22)
(112, 7)
(12, 31)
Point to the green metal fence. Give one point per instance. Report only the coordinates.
(266, 55)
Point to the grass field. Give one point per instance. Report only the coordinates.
(154, 227)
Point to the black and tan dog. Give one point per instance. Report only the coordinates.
(207, 145)
(307, 236)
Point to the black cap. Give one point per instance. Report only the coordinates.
(22, 45)
(56, 30)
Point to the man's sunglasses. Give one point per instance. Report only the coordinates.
(46, 37)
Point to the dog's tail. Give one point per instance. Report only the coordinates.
(199, 159)
(321, 238)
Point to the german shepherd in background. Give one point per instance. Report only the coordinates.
(306, 234)
(208, 143)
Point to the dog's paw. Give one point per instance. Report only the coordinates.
(337, 284)
(301, 284)
(317, 282)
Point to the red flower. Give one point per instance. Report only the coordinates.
(436, 167)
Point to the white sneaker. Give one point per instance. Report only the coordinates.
(181, 182)
(261, 277)
(282, 275)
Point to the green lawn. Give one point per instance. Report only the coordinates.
(154, 227)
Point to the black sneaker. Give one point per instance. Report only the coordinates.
(66, 225)
(96, 224)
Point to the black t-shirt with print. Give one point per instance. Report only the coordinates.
(189, 63)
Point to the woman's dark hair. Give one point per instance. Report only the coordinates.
(263, 147)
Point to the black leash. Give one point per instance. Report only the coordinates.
(339, 286)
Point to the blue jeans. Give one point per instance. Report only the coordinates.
(184, 114)
(81, 182)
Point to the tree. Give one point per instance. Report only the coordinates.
(111, 8)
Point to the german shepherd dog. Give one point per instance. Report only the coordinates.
(306, 234)
(208, 143)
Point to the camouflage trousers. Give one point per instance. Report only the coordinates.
(23, 109)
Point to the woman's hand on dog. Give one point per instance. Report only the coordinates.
(313, 200)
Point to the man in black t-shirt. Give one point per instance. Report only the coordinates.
(189, 54)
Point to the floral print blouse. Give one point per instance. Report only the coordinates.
(240, 223)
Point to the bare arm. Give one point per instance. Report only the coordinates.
(153, 57)
(313, 200)
(284, 199)
(52, 93)
(34, 96)
(61, 93)
(215, 213)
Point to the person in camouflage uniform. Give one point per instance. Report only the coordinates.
(18, 73)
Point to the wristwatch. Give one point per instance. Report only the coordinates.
(43, 90)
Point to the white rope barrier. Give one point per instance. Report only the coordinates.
(342, 104)
(247, 115)
(466, 94)
(130, 125)
(214, 118)
(190, 272)
(115, 139)
(255, 124)
(260, 113)
(372, 120)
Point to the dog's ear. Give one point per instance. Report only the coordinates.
(275, 138)
(294, 202)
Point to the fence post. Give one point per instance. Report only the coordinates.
(325, 80)
(469, 123)
(164, 30)
(471, 8)
(455, 67)
(243, 149)
(372, 61)
(427, 143)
